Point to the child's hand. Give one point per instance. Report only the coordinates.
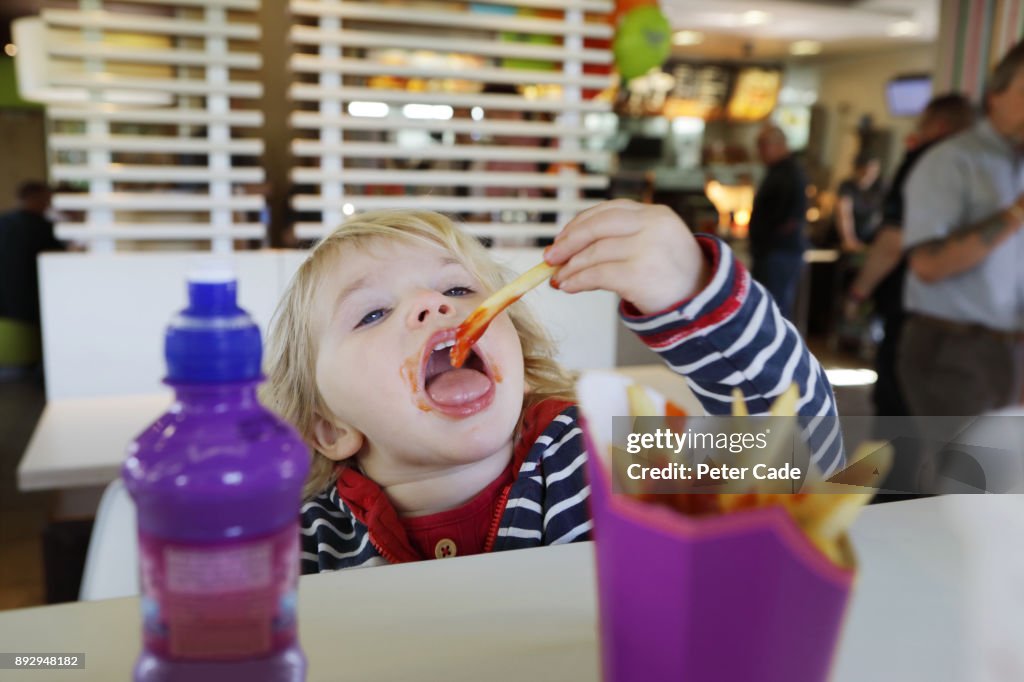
(643, 253)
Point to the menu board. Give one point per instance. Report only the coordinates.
(699, 91)
(705, 91)
(754, 94)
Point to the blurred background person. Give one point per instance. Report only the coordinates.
(25, 232)
(881, 276)
(778, 219)
(859, 205)
(961, 350)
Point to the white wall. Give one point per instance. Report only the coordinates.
(103, 315)
(852, 87)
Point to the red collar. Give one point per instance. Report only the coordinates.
(371, 506)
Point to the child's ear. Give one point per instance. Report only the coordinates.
(336, 440)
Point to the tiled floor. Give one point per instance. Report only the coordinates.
(21, 557)
(24, 516)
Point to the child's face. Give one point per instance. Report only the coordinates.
(379, 314)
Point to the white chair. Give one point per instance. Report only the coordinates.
(112, 562)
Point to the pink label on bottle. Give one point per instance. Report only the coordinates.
(220, 602)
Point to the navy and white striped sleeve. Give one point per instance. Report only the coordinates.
(732, 335)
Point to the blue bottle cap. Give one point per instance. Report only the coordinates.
(212, 340)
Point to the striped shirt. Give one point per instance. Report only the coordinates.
(727, 336)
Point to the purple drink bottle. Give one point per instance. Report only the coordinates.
(217, 482)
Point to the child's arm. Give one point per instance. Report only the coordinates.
(693, 303)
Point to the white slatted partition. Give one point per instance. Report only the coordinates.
(163, 143)
(473, 109)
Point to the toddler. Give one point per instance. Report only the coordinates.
(414, 459)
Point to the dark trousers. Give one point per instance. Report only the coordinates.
(889, 402)
(779, 273)
(954, 370)
(888, 393)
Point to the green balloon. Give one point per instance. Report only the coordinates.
(643, 41)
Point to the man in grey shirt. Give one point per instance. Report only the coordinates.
(961, 353)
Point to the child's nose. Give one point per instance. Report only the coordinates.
(429, 306)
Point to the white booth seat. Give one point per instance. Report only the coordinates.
(103, 315)
(112, 562)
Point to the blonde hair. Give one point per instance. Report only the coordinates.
(291, 388)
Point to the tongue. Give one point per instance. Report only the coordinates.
(458, 386)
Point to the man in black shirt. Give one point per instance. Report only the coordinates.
(24, 233)
(883, 272)
(777, 240)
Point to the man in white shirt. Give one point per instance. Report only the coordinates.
(961, 352)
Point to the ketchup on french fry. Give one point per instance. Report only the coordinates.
(474, 326)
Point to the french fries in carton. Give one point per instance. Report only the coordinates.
(745, 585)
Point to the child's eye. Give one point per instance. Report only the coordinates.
(459, 291)
(371, 317)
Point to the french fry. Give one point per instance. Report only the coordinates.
(640, 404)
(836, 514)
(737, 501)
(675, 417)
(831, 549)
(806, 508)
(784, 407)
(739, 405)
(785, 404)
(474, 326)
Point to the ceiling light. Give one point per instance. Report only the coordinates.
(11, 50)
(755, 18)
(687, 38)
(805, 47)
(903, 28)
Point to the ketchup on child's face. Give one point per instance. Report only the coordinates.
(370, 372)
(409, 372)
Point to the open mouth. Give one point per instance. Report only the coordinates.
(455, 391)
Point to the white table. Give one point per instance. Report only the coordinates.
(80, 442)
(530, 614)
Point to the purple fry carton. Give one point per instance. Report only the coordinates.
(742, 597)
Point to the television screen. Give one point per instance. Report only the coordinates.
(909, 95)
